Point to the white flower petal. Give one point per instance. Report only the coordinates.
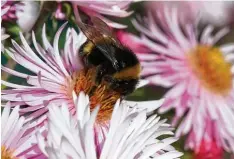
(148, 105)
(27, 14)
(130, 134)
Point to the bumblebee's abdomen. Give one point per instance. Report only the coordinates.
(132, 72)
(125, 81)
(123, 86)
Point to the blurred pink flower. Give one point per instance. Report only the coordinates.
(25, 13)
(218, 13)
(188, 10)
(59, 13)
(4, 10)
(199, 74)
(108, 8)
(209, 150)
(16, 141)
(8, 10)
(55, 76)
(131, 134)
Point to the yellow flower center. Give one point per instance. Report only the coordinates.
(6, 153)
(212, 69)
(99, 94)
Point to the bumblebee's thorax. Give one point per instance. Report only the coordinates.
(89, 47)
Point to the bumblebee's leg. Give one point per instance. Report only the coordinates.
(101, 71)
(120, 85)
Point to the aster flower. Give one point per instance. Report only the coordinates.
(55, 76)
(59, 13)
(217, 13)
(25, 13)
(100, 8)
(16, 140)
(3, 35)
(199, 73)
(131, 134)
(213, 151)
(4, 8)
(222, 15)
(7, 10)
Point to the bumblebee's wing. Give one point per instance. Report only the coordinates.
(102, 26)
(90, 32)
(101, 31)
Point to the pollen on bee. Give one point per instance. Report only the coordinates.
(99, 94)
(212, 69)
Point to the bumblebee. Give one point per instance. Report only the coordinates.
(115, 64)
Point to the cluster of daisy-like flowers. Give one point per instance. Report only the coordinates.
(199, 74)
(52, 114)
(49, 121)
(131, 134)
